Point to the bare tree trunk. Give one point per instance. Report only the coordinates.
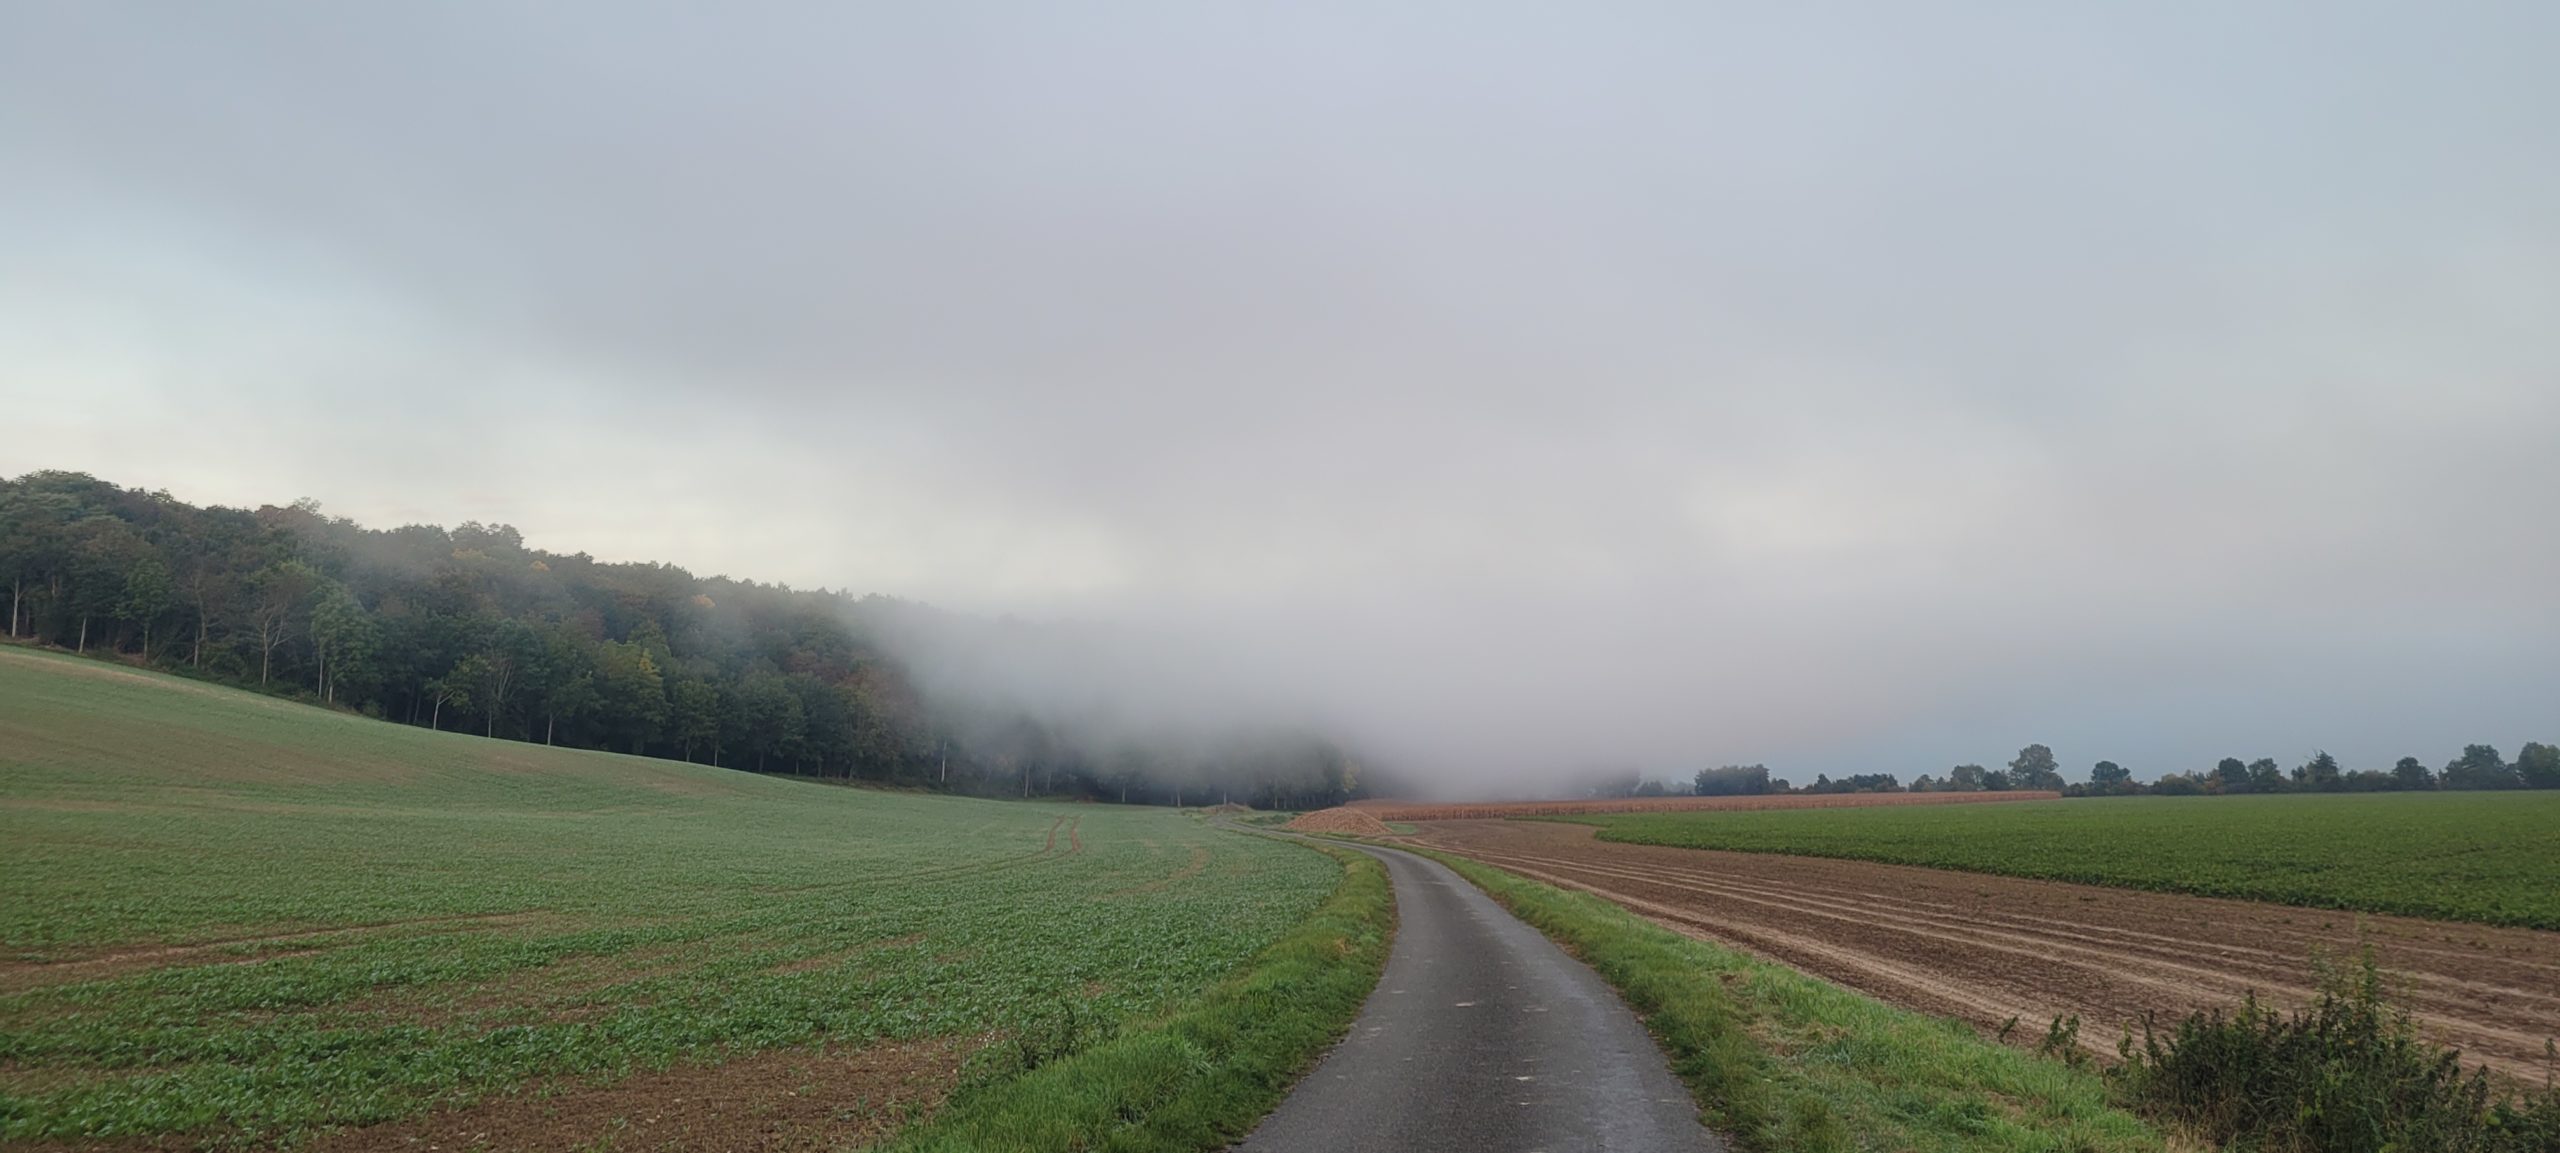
(17, 593)
(83, 646)
(435, 720)
(550, 721)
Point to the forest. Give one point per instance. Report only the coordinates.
(470, 629)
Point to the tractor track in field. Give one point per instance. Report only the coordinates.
(1986, 948)
(22, 975)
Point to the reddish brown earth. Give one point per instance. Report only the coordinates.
(791, 1099)
(1391, 810)
(1351, 821)
(772, 1102)
(1986, 949)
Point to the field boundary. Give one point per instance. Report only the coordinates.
(1203, 1077)
(2059, 843)
(1385, 810)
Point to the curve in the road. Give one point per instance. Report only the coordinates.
(1483, 1037)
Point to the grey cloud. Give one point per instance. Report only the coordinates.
(1852, 387)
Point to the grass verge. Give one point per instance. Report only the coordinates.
(1782, 1061)
(1198, 1079)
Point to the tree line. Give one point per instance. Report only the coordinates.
(470, 629)
(2537, 766)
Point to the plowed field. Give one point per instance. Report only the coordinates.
(1986, 948)
(1393, 810)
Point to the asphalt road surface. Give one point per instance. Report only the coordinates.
(1483, 1037)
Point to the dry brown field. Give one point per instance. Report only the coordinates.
(1987, 949)
(1393, 810)
(1340, 820)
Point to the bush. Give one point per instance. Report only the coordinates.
(2347, 1075)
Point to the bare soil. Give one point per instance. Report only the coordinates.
(20, 975)
(1355, 822)
(772, 1102)
(784, 1100)
(1988, 949)
(1390, 810)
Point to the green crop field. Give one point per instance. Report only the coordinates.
(243, 921)
(2490, 857)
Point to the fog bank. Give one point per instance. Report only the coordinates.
(1508, 390)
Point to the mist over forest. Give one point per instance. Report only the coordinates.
(472, 629)
(475, 630)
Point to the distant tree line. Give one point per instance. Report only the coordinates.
(2537, 766)
(470, 629)
(2034, 769)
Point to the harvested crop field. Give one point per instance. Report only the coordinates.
(1986, 948)
(1340, 820)
(1414, 811)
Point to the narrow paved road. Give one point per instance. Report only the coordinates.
(1483, 1037)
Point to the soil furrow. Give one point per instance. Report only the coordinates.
(2245, 967)
(1987, 948)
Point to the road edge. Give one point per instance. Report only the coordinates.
(1204, 1076)
(1854, 1072)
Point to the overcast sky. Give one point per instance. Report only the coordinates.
(1850, 387)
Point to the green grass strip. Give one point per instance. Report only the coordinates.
(1782, 1061)
(1203, 1077)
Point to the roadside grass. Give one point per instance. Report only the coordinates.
(1782, 1062)
(1202, 1077)
(231, 920)
(2489, 857)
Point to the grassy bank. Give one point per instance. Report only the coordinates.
(1781, 1061)
(2486, 857)
(1201, 1078)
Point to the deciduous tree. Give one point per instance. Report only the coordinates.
(2539, 765)
(2035, 768)
(2480, 767)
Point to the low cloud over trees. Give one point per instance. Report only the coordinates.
(471, 629)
